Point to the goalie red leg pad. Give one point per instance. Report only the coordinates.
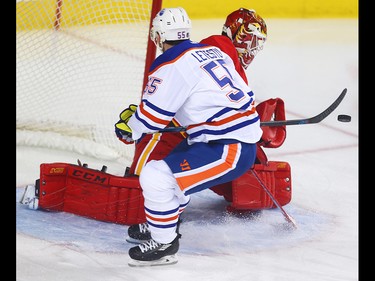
(51, 188)
(225, 189)
(248, 194)
(91, 193)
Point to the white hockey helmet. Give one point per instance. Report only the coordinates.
(172, 24)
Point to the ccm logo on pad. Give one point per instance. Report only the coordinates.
(89, 176)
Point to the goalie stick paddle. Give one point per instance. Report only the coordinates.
(312, 120)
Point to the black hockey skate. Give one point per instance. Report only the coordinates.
(152, 253)
(138, 233)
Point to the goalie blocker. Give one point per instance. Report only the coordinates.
(101, 196)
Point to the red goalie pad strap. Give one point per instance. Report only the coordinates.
(248, 194)
(261, 157)
(272, 109)
(90, 193)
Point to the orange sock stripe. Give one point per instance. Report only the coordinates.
(157, 219)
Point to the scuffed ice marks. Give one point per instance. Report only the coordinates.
(206, 228)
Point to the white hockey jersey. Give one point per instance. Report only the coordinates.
(198, 86)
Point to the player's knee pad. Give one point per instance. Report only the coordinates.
(156, 175)
(157, 180)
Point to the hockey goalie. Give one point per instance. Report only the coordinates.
(96, 194)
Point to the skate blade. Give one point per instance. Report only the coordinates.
(134, 241)
(28, 194)
(167, 260)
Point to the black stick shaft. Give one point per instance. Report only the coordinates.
(312, 120)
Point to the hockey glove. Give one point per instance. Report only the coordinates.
(123, 131)
(127, 113)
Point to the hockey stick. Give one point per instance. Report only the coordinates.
(287, 217)
(312, 120)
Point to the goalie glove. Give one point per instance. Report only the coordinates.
(122, 130)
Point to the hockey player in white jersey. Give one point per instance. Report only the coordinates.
(198, 86)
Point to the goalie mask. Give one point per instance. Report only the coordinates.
(172, 24)
(248, 32)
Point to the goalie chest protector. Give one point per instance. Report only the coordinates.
(90, 193)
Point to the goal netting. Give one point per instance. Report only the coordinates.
(78, 65)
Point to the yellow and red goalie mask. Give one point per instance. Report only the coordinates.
(248, 32)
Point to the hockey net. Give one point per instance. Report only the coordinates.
(78, 65)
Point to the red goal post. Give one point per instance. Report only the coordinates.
(78, 64)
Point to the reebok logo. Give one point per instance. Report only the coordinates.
(185, 165)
